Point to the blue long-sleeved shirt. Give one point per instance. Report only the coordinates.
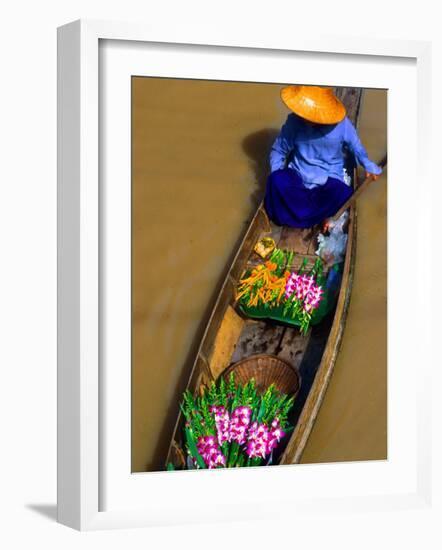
(318, 150)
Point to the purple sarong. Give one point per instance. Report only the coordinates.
(289, 202)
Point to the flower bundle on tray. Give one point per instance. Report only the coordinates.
(272, 284)
(302, 296)
(231, 425)
(266, 283)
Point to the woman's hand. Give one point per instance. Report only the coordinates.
(326, 225)
(374, 177)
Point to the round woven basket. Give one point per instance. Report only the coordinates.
(266, 370)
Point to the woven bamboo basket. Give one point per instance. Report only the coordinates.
(266, 370)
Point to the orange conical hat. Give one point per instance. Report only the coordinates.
(314, 103)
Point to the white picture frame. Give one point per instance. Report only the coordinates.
(83, 447)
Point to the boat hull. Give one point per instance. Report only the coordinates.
(230, 336)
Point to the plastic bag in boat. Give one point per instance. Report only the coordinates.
(332, 247)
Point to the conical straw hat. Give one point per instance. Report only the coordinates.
(314, 103)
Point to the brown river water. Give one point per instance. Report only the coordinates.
(199, 165)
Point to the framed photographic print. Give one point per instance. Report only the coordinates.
(229, 239)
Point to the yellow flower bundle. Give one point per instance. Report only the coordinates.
(263, 285)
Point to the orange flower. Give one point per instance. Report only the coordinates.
(271, 266)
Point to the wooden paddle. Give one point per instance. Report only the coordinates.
(357, 193)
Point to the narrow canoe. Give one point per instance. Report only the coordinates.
(230, 336)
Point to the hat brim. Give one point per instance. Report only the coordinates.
(315, 104)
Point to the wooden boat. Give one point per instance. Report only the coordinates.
(231, 337)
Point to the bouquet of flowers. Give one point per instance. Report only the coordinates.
(265, 284)
(302, 296)
(272, 285)
(231, 425)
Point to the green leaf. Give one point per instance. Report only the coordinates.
(231, 389)
(240, 461)
(222, 392)
(212, 394)
(191, 444)
(236, 402)
(261, 411)
(233, 455)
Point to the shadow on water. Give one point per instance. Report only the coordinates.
(257, 147)
(159, 456)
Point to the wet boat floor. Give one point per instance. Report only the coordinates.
(304, 352)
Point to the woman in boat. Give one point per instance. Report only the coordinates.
(308, 183)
